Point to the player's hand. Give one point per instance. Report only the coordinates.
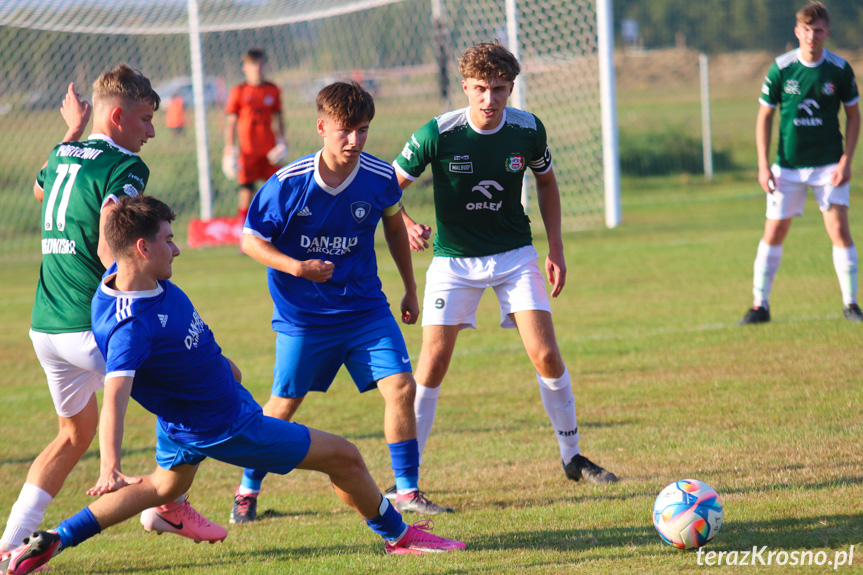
(75, 111)
(410, 308)
(230, 165)
(316, 270)
(279, 153)
(112, 480)
(417, 236)
(555, 271)
(766, 179)
(842, 173)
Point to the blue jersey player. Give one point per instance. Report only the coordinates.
(313, 225)
(159, 351)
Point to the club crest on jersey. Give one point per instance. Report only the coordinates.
(792, 87)
(828, 88)
(515, 163)
(269, 101)
(360, 210)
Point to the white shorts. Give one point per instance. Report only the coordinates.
(454, 287)
(792, 184)
(74, 366)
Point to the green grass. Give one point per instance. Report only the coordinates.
(667, 387)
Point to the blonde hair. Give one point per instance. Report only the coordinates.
(124, 86)
(488, 60)
(812, 12)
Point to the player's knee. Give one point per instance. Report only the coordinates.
(399, 389)
(350, 459)
(282, 407)
(77, 437)
(434, 372)
(548, 362)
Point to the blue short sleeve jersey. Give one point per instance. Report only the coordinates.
(179, 371)
(307, 219)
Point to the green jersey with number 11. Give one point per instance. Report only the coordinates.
(79, 178)
(477, 179)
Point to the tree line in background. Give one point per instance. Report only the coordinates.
(715, 26)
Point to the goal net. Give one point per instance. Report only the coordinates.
(404, 51)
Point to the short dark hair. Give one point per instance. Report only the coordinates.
(255, 55)
(812, 12)
(347, 103)
(135, 218)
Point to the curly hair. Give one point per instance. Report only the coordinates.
(488, 60)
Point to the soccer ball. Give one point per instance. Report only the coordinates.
(687, 514)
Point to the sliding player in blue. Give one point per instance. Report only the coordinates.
(160, 352)
(313, 225)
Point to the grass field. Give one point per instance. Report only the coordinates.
(667, 387)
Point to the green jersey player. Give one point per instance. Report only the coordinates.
(478, 156)
(808, 85)
(78, 188)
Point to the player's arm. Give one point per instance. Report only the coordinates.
(397, 241)
(269, 255)
(548, 196)
(842, 173)
(111, 427)
(76, 114)
(279, 153)
(418, 234)
(763, 131)
(231, 153)
(238, 375)
(102, 249)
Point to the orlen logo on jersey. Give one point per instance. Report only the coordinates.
(807, 105)
(195, 329)
(483, 188)
(331, 246)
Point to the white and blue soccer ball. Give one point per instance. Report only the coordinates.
(687, 514)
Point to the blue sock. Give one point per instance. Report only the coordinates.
(405, 460)
(78, 528)
(252, 479)
(389, 523)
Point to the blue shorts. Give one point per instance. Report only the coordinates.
(258, 442)
(310, 362)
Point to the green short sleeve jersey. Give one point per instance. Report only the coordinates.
(809, 96)
(79, 179)
(477, 178)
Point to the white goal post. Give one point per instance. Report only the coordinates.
(405, 51)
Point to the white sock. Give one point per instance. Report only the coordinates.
(425, 407)
(26, 515)
(767, 260)
(845, 263)
(559, 403)
(245, 491)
